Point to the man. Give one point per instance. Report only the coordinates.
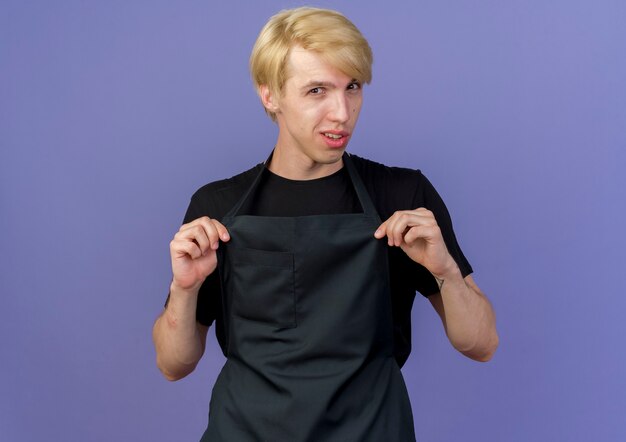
(309, 289)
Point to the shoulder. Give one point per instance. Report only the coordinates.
(216, 198)
(229, 185)
(369, 169)
(391, 188)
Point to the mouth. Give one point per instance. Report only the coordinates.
(335, 138)
(335, 134)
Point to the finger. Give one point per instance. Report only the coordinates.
(196, 222)
(211, 230)
(215, 231)
(427, 216)
(197, 234)
(180, 247)
(212, 233)
(387, 228)
(381, 231)
(397, 227)
(427, 232)
(424, 211)
(221, 230)
(422, 216)
(403, 221)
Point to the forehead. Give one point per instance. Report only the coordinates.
(304, 66)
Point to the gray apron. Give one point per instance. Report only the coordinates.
(309, 330)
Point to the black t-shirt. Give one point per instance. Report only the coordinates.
(391, 189)
(278, 196)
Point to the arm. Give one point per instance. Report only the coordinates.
(467, 315)
(178, 339)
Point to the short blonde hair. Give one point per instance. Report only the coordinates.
(326, 32)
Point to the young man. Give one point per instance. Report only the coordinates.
(309, 263)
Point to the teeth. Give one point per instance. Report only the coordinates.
(336, 137)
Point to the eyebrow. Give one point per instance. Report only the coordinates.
(315, 83)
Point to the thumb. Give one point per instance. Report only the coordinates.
(381, 231)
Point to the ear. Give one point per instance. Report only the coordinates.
(268, 99)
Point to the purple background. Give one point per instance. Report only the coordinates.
(113, 113)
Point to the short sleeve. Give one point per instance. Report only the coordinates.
(426, 196)
(209, 299)
(209, 302)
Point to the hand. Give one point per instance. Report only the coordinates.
(193, 252)
(417, 233)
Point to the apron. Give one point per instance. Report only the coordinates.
(309, 330)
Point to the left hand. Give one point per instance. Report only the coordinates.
(417, 233)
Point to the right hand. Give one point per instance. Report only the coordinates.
(193, 252)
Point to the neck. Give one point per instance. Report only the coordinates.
(297, 166)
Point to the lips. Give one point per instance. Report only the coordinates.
(335, 138)
(335, 134)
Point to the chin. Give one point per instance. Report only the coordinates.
(333, 156)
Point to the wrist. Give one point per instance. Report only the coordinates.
(181, 305)
(181, 295)
(448, 271)
(450, 277)
(184, 291)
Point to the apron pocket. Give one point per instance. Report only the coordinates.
(263, 286)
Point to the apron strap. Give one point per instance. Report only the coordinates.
(364, 199)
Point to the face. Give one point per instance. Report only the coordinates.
(316, 112)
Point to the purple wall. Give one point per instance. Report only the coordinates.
(113, 113)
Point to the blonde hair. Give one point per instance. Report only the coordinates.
(326, 32)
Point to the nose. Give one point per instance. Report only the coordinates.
(340, 108)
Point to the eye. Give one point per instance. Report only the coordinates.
(354, 86)
(316, 91)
